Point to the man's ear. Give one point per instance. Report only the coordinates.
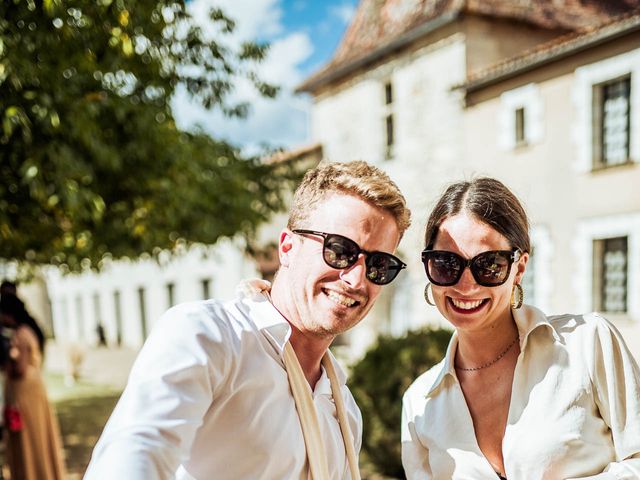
(285, 246)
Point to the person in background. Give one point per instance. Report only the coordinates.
(248, 389)
(519, 394)
(8, 288)
(34, 448)
(102, 339)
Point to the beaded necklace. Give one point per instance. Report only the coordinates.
(488, 364)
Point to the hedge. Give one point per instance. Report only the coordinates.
(378, 382)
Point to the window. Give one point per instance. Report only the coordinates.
(52, 327)
(97, 314)
(610, 275)
(143, 312)
(611, 126)
(388, 93)
(118, 311)
(389, 127)
(603, 96)
(389, 122)
(171, 289)
(206, 288)
(519, 126)
(520, 118)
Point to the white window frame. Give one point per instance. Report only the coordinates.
(528, 98)
(599, 274)
(388, 111)
(623, 225)
(588, 76)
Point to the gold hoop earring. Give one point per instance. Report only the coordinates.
(517, 290)
(426, 295)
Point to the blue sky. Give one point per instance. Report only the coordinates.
(323, 21)
(303, 35)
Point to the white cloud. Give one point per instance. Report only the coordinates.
(344, 12)
(254, 18)
(281, 122)
(284, 57)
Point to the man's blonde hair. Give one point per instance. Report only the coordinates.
(356, 178)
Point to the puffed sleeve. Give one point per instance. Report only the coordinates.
(171, 386)
(415, 456)
(616, 385)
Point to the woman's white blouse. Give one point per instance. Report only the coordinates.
(574, 412)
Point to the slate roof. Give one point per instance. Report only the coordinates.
(379, 26)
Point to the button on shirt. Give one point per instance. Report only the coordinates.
(208, 397)
(574, 412)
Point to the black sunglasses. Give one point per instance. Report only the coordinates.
(490, 269)
(341, 252)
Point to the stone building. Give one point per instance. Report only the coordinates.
(414, 88)
(561, 124)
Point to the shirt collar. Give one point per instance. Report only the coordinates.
(269, 320)
(527, 320)
(446, 365)
(277, 330)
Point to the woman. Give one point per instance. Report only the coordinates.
(519, 395)
(33, 440)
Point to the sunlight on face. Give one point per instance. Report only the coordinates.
(467, 304)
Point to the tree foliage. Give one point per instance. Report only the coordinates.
(91, 161)
(378, 382)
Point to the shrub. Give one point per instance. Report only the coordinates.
(378, 382)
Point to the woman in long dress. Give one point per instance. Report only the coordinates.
(34, 450)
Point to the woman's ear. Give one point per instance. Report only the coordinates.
(285, 246)
(521, 267)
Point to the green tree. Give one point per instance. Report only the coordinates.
(91, 161)
(378, 382)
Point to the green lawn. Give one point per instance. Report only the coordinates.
(83, 410)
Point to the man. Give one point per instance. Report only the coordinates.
(213, 393)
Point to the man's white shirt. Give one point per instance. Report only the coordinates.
(208, 397)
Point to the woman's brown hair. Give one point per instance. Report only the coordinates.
(488, 200)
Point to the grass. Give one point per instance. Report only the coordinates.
(83, 410)
(59, 391)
